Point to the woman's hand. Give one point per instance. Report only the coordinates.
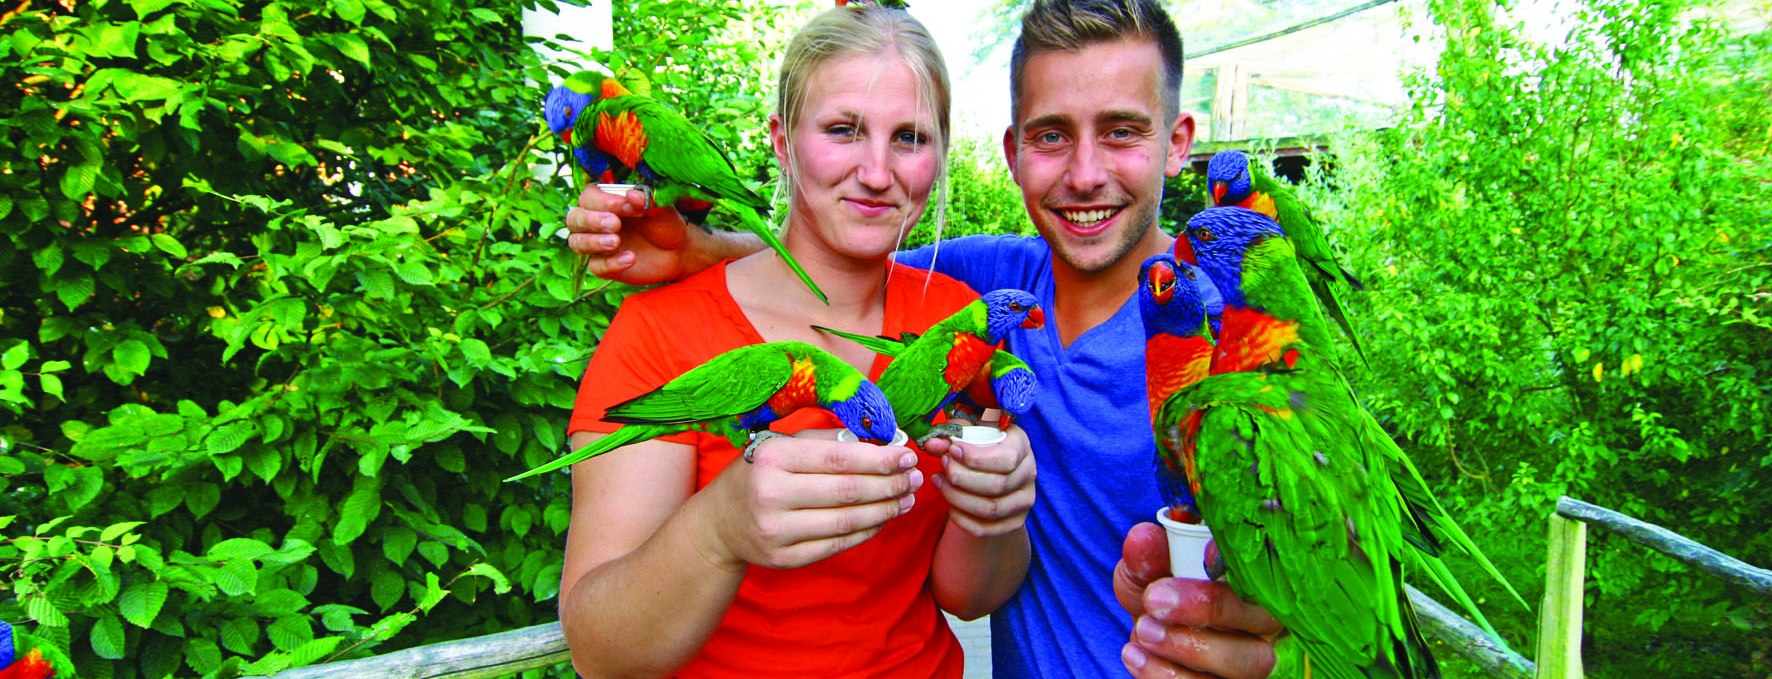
(806, 499)
(989, 489)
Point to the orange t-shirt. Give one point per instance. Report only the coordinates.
(867, 612)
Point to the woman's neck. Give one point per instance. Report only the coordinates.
(780, 307)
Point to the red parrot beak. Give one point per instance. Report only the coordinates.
(1036, 318)
(1184, 250)
(1162, 283)
(1217, 192)
(566, 136)
(1003, 421)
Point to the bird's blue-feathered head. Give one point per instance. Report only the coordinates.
(561, 108)
(1008, 309)
(1227, 177)
(1015, 390)
(1221, 236)
(1168, 298)
(867, 414)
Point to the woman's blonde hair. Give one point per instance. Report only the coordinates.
(868, 29)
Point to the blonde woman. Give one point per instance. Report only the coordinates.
(821, 558)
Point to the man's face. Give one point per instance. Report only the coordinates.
(1090, 148)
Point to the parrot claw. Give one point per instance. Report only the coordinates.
(947, 429)
(1213, 561)
(757, 439)
(969, 418)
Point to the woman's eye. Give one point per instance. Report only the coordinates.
(912, 139)
(844, 131)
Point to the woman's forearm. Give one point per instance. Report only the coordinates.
(648, 612)
(972, 576)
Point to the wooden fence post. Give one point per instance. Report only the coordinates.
(1559, 622)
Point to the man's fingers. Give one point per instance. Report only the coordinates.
(1142, 665)
(612, 266)
(1224, 654)
(1146, 554)
(1201, 603)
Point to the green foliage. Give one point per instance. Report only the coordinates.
(280, 307)
(1570, 292)
(981, 197)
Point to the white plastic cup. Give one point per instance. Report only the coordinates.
(1187, 546)
(622, 190)
(898, 439)
(982, 437)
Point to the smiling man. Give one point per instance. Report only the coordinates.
(1096, 127)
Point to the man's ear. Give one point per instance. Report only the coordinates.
(1181, 142)
(1009, 151)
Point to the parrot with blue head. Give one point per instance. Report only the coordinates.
(738, 394)
(931, 371)
(1317, 515)
(1177, 353)
(1233, 179)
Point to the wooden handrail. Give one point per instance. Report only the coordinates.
(1670, 543)
(483, 657)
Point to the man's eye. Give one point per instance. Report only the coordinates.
(1051, 138)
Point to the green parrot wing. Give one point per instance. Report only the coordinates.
(737, 381)
(1290, 515)
(678, 152)
(1325, 274)
(1002, 362)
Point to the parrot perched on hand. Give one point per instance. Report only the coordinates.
(739, 393)
(1235, 180)
(639, 139)
(23, 657)
(930, 372)
(1177, 353)
(1316, 514)
(1004, 382)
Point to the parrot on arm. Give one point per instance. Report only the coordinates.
(929, 373)
(1177, 353)
(25, 657)
(639, 139)
(1234, 180)
(1317, 515)
(738, 394)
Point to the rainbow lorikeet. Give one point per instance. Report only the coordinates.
(1317, 515)
(930, 372)
(738, 394)
(23, 656)
(1234, 180)
(1177, 353)
(1004, 382)
(639, 139)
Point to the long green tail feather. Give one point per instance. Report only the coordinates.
(879, 345)
(756, 225)
(616, 439)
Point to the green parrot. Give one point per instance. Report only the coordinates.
(1316, 514)
(931, 371)
(1235, 180)
(1004, 382)
(622, 136)
(738, 394)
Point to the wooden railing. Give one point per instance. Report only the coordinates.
(1559, 648)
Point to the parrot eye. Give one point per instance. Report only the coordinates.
(1205, 234)
(1185, 271)
(1015, 306)
(867, 423)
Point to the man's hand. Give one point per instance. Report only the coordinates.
(1185, 627)
(631, 243)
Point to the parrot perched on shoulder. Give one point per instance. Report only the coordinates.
(25, 657)
(1316, 514)
(739, 393)
(1234, 180)
(641, 140)
(930, 372)
(1177, 353)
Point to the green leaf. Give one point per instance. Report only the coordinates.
(240, 635)
(357, 510)
(237, 577)
(202, 655)
(15, 356)
(238, 548)
(145, 7)
(201, 497)
(349, 10)
(290, 633)
(116, 530)
(79, 180)
(278, 602)
(229, 437)
(397, 543)
(351, 46)
(434, 593)
(107, 637)
(486, 15)
(142, 602)
(169, 245)
(132, 356)
(500, 584)
(45, 613)
(52, 386)
(49, 259)
(74, 291)
(386, 589)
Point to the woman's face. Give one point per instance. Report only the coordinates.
(864, 155)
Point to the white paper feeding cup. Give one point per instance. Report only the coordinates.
(982, 437)
(898, 439)
(1187, 546)
(622, 190)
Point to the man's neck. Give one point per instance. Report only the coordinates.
(1083, 300)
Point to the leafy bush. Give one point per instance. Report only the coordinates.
(281, 308)
(1570, 293)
